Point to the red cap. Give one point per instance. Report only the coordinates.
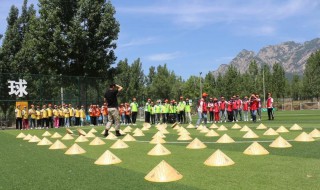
(204, 94)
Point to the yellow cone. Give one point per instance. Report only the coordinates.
(112, 129)
(250, 135)
(184, 132)
(111, 136)
(256, 149)
(159, 150)
(196, 144)
(128, 127)
(236, 126)
(190, 126)
(107, 158)
(304, 137)
(280, 143)
(222, 128)
(93, 130)
(44, 142)
(163, 172)
(270, 132)
(27, 138)
(181, 129)
(128, 138)
(67, 137)
(295, 127)
(282, 129)
(21, 136)
(75, 149)
(218, 158)
(81, 132)
(81, 139)
(245, 129)
(34, 139)
(137, 130)
(159, 134)
(315, 133)
(57, 145)
(97, 141)
(184, 137)
(200, 128)
(102, 133)
(127, 130)
(90, 135)
(138, 134)
(46, 134)
(144, 129)
(204, 130)
(213, 126)
(119, 144)
(146, 125)
(177, 127)
(122, 132)
(157, 140)
(262, 126)
(69, 131)
(164, 131)
(212, 133)
(225, 139)
(56, 135)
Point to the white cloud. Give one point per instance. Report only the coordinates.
(163, 56)
(139, 42)
(201, 13)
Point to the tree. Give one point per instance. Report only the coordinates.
(278, 81)
(231, 81)
(164, 85)
(131, 78)
(295, 87)
(311, 79)
(209, 85)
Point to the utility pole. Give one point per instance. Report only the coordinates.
(200, 84)
(264, 88)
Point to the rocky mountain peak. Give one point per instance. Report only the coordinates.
(293, 56)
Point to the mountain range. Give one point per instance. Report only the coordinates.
(293, 57)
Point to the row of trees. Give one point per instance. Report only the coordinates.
(78, 38)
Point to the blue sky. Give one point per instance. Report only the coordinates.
(193, 36)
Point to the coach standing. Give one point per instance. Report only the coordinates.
(110, 98)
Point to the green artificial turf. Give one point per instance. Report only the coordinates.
(25, 165)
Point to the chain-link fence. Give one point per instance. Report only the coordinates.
(44, 89)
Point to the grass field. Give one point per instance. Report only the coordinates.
(25, 165)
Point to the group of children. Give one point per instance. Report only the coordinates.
(48, 116)
(233, 110)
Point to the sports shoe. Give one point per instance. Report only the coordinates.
(106, 133)
(118, 133)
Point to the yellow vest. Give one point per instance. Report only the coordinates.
(25, 114)
(82, 113)
(49, 111)
(32, 112)
(44, 113)
(61, 113)
(71, 112)
(18, 113)
(66, 113)
(77, 113)
(56, 112)
(38, 113)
